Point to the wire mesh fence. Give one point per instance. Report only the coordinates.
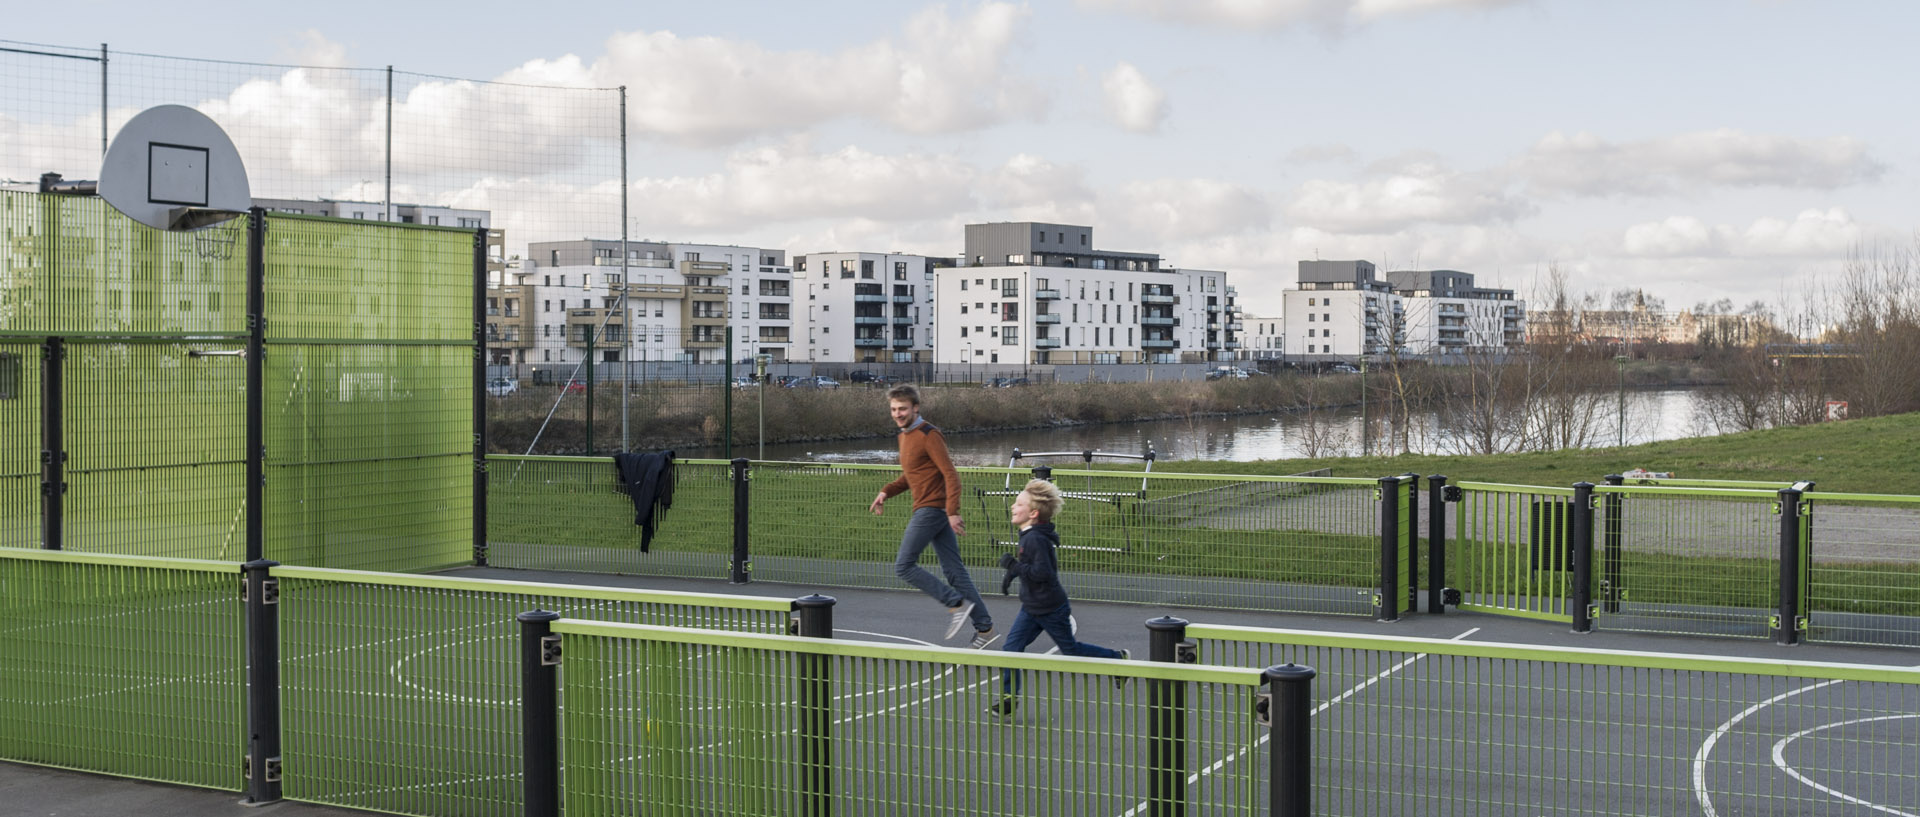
(1689, 560)
(570, 513)
(1429, 726)
(680, 721)
(1511, 551)
(122, 665)
(1863, 585)
(401, 693)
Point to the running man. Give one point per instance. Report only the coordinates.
(927, 472)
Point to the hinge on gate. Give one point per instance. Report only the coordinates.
(1800, 624)
(1450, 493)
(1450, 595)
(793, 626)
(273, 769)
(1773, 622)
(1186, 652)
(1593, 502)
(1593, 611)
(270, 591)
(1776, 509)
(1263, 708)
(550, 650)
(1376, 494)
(1377, 601)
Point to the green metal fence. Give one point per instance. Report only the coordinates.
(122, 665)
(19, 442)
(1863, 578)
(1511, 551)
(568, 513)
(1689, 560)
(400, 693)
(1430, 726)
(678, 721)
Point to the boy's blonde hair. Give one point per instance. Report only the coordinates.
(1045, 499)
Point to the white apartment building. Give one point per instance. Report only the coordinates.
(865, 307)
(679, 298)
(1262, 339)
(1029, 292)
(1445, 313)
(1340, 312)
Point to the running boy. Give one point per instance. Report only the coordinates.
(1043, 601)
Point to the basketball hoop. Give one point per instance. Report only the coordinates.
(213, 246)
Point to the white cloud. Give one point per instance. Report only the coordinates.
(1132, 100)
(1584, 164)
(1331, 153)
(791, 182)
(1403, 193)
(941, 74)
(1277, 14)
(1167, 209)
(1032, 188)
(1674, 237)
(1829, 233)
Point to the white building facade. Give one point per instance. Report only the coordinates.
(861, 307)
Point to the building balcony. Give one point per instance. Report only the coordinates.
(1158, 320)
(1156, 299)
(1213, 307)
(902, 320)
(1213, 344)
(869, 320)
(775, 339)
(708, 343)
(1232, 344)
(1046, 294)
(902, 343)
(903, 299)
(650, 263)
(1046, 317)
(1235, 326)
(869, 299)
(1046, 343)
(1158, 343)
(869, 343)
(704, 268)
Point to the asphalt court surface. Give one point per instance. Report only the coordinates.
(416, 675)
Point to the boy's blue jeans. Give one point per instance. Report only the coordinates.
(928, 526)
(1058, 624)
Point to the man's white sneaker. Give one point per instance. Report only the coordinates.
(959, 617)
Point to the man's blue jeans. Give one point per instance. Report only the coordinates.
(1057, 623)
(928, 526)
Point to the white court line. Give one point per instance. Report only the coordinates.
(1222, 763)
(1780, 760)
(1706, 746)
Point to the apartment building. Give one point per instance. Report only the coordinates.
(1032, 292)
(1340, 311)
(866, 307)
(1445, 313)
(1263, 339)
(645, 301)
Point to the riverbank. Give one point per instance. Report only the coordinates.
(1872, 455)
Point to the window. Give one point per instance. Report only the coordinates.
(1311, 332)
(1061, 236)
(1009, 287)
(1083, 239)
(963, 285)
(1040, 236)
(546, 306)
(693, 256)
(1326, 316)
(963, 331)
(465, 222)
(563, 280)
(1010, 336)
(1310, 317)
(899, 270)
(866, 270)
(846, 268)
(433, 220)
(963, 309)
(546, 280)
(546, 330)
(1010, 312)
(743, 290)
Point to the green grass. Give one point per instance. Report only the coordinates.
(1871, 455)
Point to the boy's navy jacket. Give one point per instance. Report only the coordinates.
(1040, 589)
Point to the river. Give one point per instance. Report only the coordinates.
(1652, 415)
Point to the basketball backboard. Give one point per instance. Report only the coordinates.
(172, 168)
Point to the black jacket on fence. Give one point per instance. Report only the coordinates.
(648, 480)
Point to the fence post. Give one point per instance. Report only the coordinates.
(1582, 543)
(53, 446)
(1787, 620)
(816, 706)
(479, 397)
(262, 598)
(539, 714)
(1290, 758)
(256, 488)
(1388, 597)
(1166, 722)
(740, 567)
(1043, 472)
(1412, 483)
(1611, 536)
(1436, 544)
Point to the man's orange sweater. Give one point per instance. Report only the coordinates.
(926, 470)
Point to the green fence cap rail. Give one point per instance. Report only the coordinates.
(1560, 655)
(565, 591)
(1503, 488)
(992, 659)
(119, 560)
(1664, 490)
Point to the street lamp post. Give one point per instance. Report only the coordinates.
(1620, 370)
(969, 353)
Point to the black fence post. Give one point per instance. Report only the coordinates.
(816, 706)
(1436, 544)
(1290, 716)
(1615, 526)
(1411, 482)
(1388, 597)
(1167, 722)
(480, 398)
(262, 599)
(1581, 541)
(1043, 472)
(256, 383)
(539, 714)
(53, 444)
(740, 567)
(1787, 620)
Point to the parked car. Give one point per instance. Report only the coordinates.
(1227, 373)
(1015, 381)
(744, 381)
(887, 380)
(1343, 368)
(818, 382)
(862, 376)
(995, 383)
(502, 386)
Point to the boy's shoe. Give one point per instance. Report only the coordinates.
(1005, 707)
(959, 617)
(1073, 625)
(1120, 681)
(981, 638)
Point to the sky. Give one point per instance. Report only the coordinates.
(1700, 150)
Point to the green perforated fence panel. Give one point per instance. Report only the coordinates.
(156, 449)
(683, 722)
(19, 444)
(368, 394)
(123, 666)
(568, 513)
(1702, 561)
(1428, 726)
(1511, 551)
(1864, 583)
(402, 693)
